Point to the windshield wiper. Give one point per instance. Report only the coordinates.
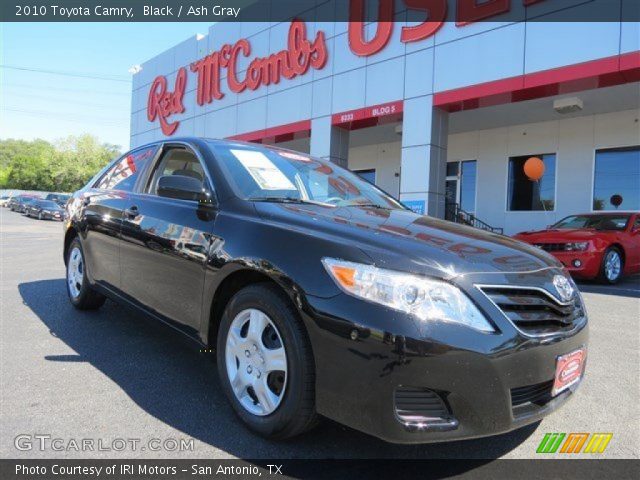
(289, 200)
(375, 205)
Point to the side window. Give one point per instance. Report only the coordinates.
(124, 173)
(177, 161)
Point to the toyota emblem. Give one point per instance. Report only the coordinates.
(563, 287)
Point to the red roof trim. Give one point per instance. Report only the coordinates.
(603, 72)
(289, 131)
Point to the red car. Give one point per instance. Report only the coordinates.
(603, 245)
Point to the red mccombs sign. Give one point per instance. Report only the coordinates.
(302, 54)
(299, 56)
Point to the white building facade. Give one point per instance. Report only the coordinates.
(442, 117)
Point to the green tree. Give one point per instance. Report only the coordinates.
(28, 166)
(65, 166)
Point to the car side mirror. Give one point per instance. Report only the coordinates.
(183, 188)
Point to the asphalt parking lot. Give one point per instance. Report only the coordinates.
(113, 374)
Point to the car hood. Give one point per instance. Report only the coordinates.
(560, 235)
(405, 241)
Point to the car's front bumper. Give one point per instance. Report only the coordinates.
(581, 264)
(52, 216)
(362, 362)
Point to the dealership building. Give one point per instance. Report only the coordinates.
(443, 117)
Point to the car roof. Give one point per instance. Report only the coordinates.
(606, 212)
(215, 141)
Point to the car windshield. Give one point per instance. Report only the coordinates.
(48, 204)
(272, 175)
(598, 222)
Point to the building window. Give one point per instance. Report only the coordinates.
(616, 182)
(525, 194)
(468, 186)
(368, 175)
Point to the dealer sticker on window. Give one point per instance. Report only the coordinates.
(569, 369)
(263, 170)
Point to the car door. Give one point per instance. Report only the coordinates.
(633, 250)
(165, 241)
(102, 207)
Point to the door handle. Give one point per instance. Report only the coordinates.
(132, 212)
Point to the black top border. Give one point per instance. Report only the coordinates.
(461, 11)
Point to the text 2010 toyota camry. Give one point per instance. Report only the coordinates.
(322, 295)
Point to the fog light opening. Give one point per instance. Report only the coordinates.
(577, 263)
(421, 409)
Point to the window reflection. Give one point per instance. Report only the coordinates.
(529, 195)
(468, 186)
(617, 179)
(122, 175)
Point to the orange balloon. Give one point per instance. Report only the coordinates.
(534, 168)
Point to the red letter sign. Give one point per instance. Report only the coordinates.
(300, 55)
(357, 43)
(436, 13)
(162, 103)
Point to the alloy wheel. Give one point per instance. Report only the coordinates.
(75, 272)
(612, 265)
(256, 362)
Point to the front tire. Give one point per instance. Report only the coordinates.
(265, 363)
(81, 294)
(612, 266)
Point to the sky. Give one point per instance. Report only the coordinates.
(51, 106)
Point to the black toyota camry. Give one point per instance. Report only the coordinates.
(324, 296)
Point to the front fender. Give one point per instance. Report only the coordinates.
(270, 251)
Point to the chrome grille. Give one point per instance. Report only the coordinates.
(535, 312)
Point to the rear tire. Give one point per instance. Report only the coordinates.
(290, 407)
(81, 294)
(612, 266)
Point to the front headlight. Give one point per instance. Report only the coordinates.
(576, 246)
(427, 299)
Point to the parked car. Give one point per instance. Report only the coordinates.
(4, 199)
(599, 245)
(44, 210)
(12, 202)
(322, 295)
(23, 202)
(15, 204)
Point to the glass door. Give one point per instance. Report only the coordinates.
(460, 187)
(451, 191)
(467, 189)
